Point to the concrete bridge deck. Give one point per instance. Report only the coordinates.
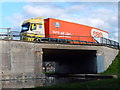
(21, 60)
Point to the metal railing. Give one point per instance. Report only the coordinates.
(73, 39)
(55, 38)
(109, 42)
(7, 34)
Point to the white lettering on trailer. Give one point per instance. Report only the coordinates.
(63, 34)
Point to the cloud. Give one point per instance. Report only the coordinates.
(42, 11)
(50, 10)
(114, 36)
(105, 11)
(84, 13)
(16, 21)
(76, 8)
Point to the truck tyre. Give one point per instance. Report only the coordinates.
(37, 40)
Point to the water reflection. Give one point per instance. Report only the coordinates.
(22, 83)
(31, 83)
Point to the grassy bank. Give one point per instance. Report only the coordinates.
(114, 68)
(109, 84)
(105, 84)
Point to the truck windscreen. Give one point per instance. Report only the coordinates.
(25, 27)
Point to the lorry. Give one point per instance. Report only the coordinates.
(38, 29)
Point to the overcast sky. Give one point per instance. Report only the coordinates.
(102, 15)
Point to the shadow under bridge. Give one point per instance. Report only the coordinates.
(71, 61)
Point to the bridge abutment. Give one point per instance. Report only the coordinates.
(20, 61)
(105, 56)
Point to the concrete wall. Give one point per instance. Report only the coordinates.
(22, 60)
(19, 84)
(0, 60)
(0, 65)
(6, 59)
(108, 54)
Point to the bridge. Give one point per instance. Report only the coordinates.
(23, 60)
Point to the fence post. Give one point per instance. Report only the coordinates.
(9, 33)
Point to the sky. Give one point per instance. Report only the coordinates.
(102, 15)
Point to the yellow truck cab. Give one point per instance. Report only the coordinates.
(32, 28)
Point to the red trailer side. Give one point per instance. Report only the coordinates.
(73, 31)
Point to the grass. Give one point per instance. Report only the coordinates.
(109, 84)
(105, 84)
(49, 72)
(114, 68)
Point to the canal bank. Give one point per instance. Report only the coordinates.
(77, 81)
(109, 84)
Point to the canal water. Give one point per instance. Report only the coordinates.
(31, 83)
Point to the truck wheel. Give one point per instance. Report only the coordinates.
(37, 40)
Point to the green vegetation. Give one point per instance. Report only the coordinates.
(111, 83)
(49, 72)
(114, 68)
(106, 84)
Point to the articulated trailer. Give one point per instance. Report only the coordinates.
(50, 29)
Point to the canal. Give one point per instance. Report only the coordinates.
(47, 81)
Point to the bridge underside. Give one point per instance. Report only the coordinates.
(72, 61)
